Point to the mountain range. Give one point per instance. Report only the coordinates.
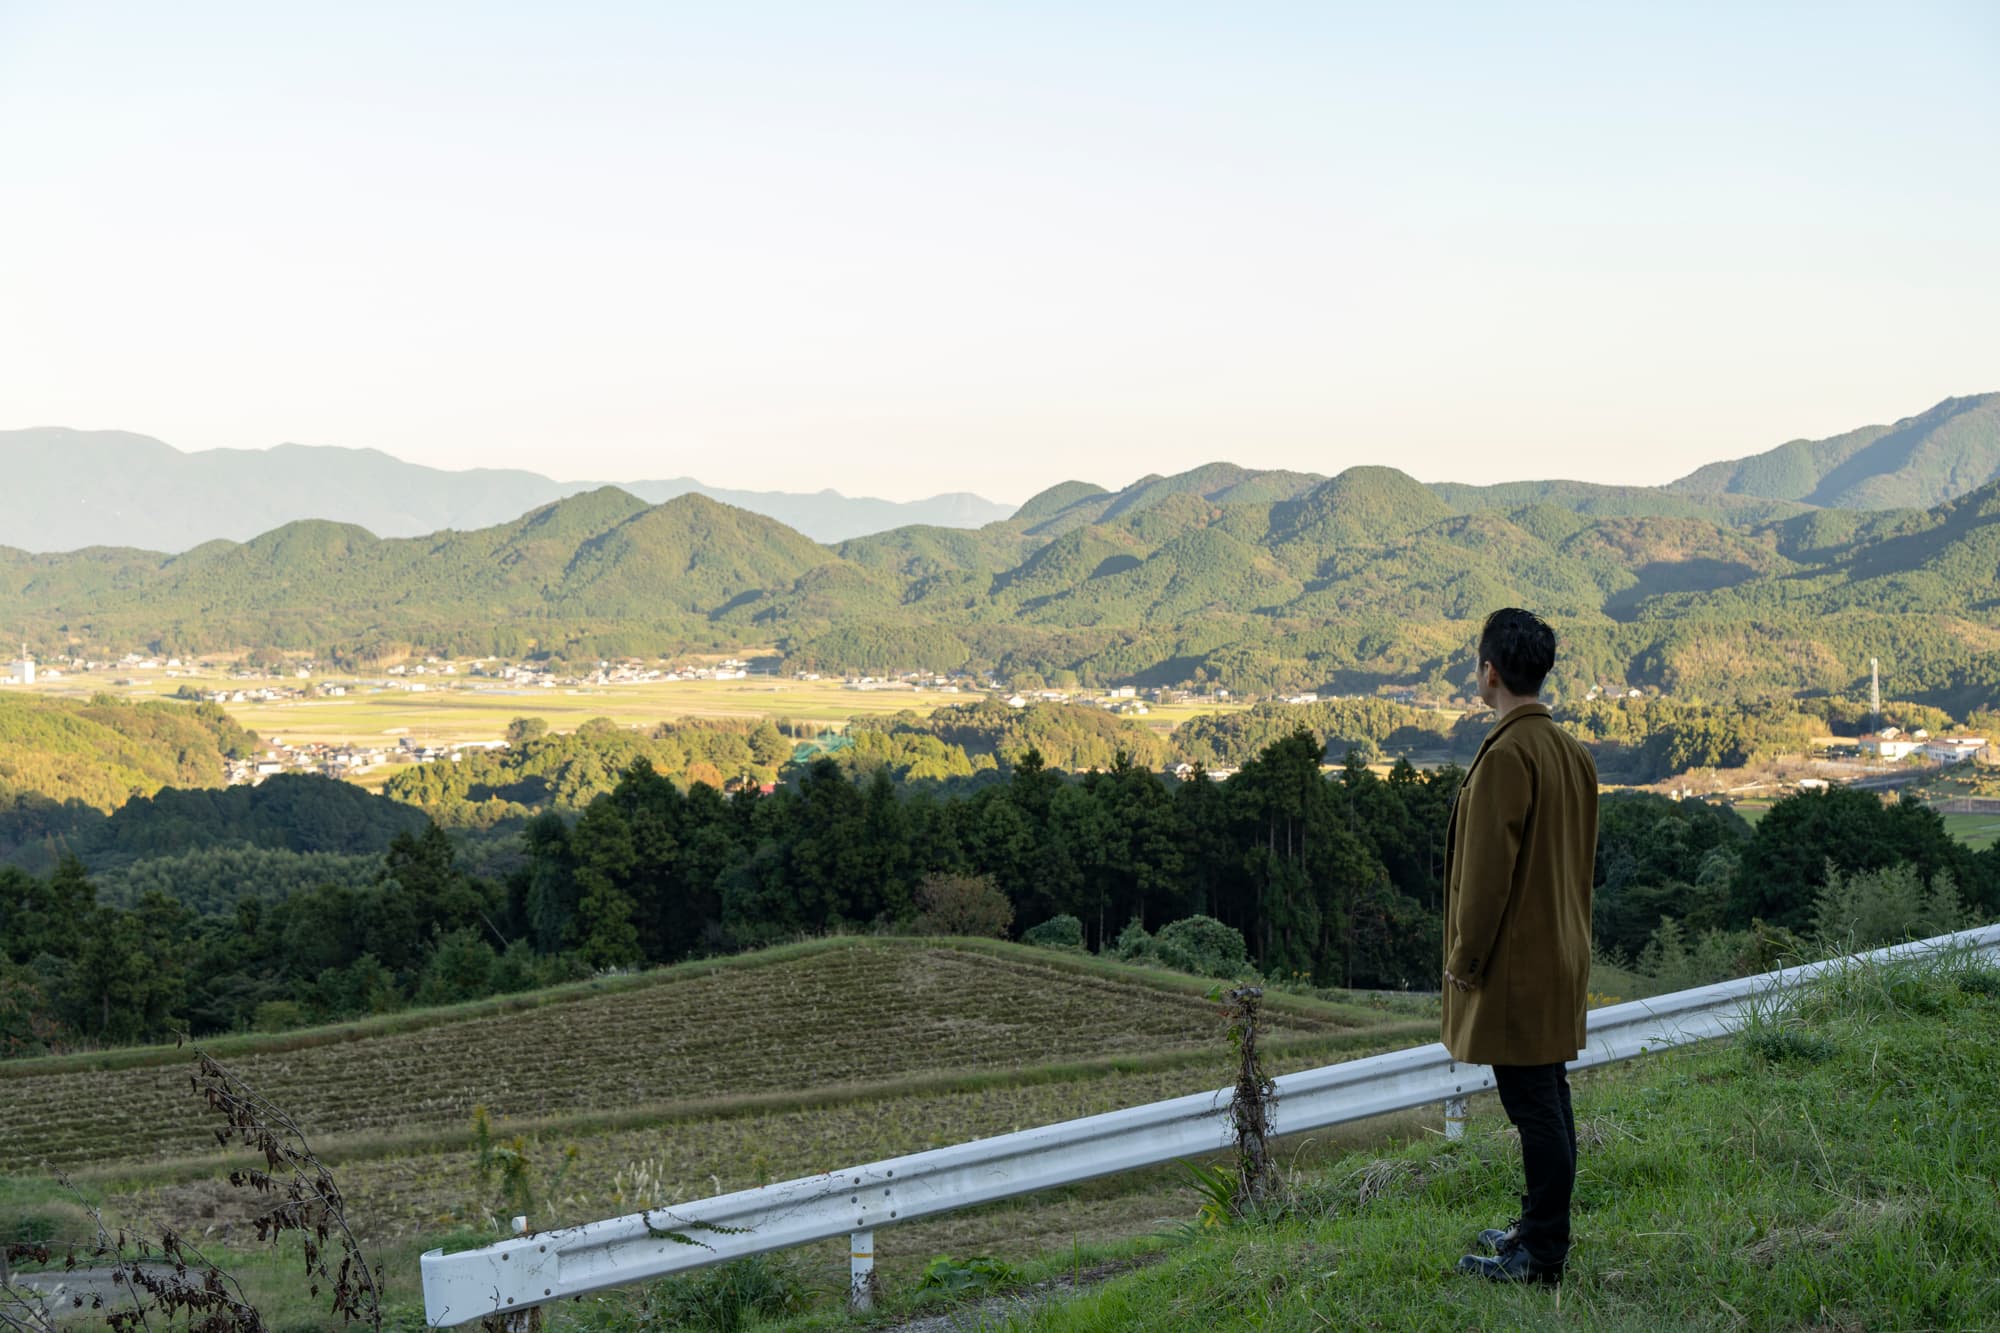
(1262, 581)
(67, 489)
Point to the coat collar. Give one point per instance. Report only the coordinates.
(1512, 716)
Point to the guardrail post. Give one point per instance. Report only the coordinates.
(861, 1270)
(516, 1321)
(1454, 1117)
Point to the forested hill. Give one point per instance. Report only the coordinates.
(1920, 461)
(1262, 581)
(101, 753)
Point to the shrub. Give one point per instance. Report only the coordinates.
(1866, 908)
(1204, 946)
(1198, 944)
(1134, 944)
(1058, 932)
(962, 905)
(460, 969)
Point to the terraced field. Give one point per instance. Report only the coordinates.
(862, 1017)
(710, 1077)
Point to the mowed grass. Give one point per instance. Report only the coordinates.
(1975, 831)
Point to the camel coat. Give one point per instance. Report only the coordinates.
(1519, 850)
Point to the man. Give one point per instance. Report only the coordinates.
(1519, 847)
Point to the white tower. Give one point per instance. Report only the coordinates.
(24, 670)
(1874, 695)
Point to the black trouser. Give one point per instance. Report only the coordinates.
(1536, 1099)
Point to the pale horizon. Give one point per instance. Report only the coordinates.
(897, 250)
(1109, 484)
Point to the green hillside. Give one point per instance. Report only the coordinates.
(1048, 503)
(1271, 582)
(1920, 461)
(100, 753)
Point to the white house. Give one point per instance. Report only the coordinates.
(1890, 745)
(23, 671)
(1951, 749)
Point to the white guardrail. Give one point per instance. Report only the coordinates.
(533, 1269)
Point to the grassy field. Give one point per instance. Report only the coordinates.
(674, 1085)
(1975, 831)
(1832, 1169)
(457, 709)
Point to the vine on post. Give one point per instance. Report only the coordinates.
(1250, 1106)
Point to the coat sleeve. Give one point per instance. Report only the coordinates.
(1496, 816)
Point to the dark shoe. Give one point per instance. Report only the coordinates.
(1495, 1240)
(1515, 1265)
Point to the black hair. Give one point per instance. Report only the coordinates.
(1521, 647)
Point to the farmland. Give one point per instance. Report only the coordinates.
(462, 711)
(815, 1051)
(679, 1083)
(847, 1014)
(1975, 831)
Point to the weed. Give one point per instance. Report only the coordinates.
(1776, 1045)
(1216, 1186)
(1981, 981)
(721, 1299)
(960, 1277)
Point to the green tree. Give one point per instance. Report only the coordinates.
(524, 729)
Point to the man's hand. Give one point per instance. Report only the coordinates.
(1463, 986)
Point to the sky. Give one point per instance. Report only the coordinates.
(902, 248)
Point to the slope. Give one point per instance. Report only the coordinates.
(825, 1022)
(1832, 1168)
(1918, 462)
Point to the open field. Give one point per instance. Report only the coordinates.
(676, 1084)
(460, 710)
(456, 709)
(846, 1014)
(1975, 831)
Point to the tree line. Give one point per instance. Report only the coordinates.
(1332, 878)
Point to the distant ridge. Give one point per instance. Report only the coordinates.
(68, 489)
(1919, 462)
